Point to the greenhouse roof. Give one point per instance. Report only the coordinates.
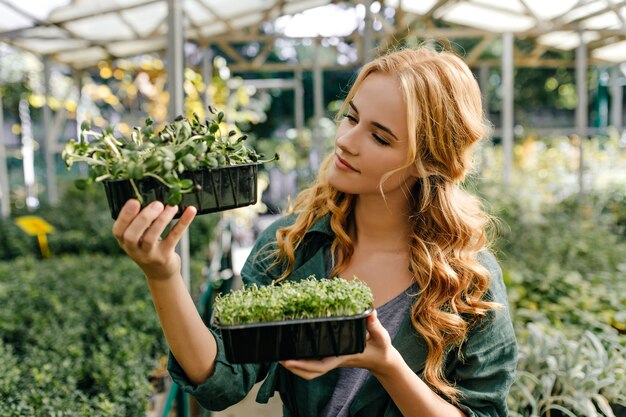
(82, 32)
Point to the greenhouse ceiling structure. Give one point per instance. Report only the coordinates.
(80, 33)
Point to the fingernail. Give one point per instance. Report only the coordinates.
(156, 206)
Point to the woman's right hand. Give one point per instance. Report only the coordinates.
(139, 233)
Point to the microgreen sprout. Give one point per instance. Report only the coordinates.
(183, 145)
(289, 300)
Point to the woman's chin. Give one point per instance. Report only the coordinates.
(345, 185)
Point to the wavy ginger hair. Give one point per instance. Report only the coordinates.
(445, 121)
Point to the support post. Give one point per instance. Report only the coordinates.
(80, 113)
(617, 96)
(368, 33)
(49, 139)
(298, 100)
(507, 105)
(175, 67)
(28, 156)
(318, 85)
(207, 74)
(5, 196)
(581, 108)
(483, 80)
(318, 104)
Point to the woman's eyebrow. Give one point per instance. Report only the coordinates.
(376, 124)
(351, 104)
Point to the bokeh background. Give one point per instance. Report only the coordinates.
(78, 333)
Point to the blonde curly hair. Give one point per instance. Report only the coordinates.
(449, 228)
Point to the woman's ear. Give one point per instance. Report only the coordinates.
(417, 171)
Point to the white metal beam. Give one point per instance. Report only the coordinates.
(5, 201)
(50, 138)
(483, 80)
(318, 106)
(207, 74)
(318, 85)
(507, 105)
(581, 108)
(368, 34)
(617, 94)
(299, 100)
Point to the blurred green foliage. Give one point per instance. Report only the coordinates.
(83, 225)
(562, 255)
(78, 337)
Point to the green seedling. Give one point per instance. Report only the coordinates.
(183, 145)
(289, 300)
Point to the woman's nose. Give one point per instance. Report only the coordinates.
(347, 141)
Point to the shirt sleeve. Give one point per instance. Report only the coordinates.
(486, 369)
(228, 384)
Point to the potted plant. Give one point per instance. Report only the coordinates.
(187, 163)
(306, 319)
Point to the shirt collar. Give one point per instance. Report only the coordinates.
(322, 225)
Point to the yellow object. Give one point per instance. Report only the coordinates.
(36, 226)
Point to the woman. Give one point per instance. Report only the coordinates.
(386, 208)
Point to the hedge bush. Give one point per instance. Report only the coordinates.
(78, 337)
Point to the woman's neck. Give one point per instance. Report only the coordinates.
(381, 224)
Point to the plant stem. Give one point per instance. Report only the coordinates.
(102, 177)
(139, 197)
(90, 161)
(161, 180)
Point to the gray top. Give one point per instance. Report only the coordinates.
(391, 314)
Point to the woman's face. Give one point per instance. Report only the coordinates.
(372, 140)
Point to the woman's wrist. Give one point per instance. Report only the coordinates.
(389, 365)
(166, 271)
(160, 279)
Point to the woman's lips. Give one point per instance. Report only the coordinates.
(344, 165)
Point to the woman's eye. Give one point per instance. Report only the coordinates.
(380, 140)
(351, 118)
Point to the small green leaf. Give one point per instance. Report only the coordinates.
(174, 199)
(185, 184)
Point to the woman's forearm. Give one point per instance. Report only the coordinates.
(410, 394)
(191, 343)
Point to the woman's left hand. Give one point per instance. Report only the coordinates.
(377, 354)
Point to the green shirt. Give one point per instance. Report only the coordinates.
(483, 375)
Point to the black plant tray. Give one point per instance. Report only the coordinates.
(294, 339)
(220, 189)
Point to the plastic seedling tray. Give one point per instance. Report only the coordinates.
(219, 189)
(294, 339)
